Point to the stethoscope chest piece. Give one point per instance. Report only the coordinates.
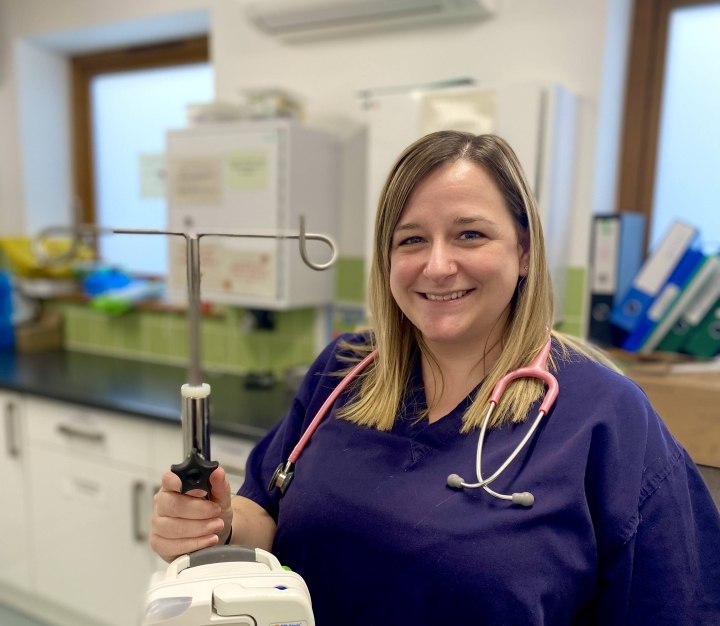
(282, 477)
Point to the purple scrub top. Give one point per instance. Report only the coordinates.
(623, 529)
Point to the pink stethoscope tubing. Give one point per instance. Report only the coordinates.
(354, 372)
(537, 369)
(284, 472)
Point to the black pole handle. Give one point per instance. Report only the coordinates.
(194, 472)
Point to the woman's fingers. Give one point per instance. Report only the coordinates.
(183, 523)
(170, 549)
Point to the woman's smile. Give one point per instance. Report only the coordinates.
(455, 295)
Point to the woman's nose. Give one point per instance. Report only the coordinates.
(440, 263)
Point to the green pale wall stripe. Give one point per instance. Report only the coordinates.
(227, 343)
(350, 280)
(574, 318)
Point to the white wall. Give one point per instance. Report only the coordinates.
(571, 42)
(36, 37)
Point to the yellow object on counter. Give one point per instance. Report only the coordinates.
(23, 262)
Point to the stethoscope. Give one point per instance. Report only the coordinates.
(284, 473)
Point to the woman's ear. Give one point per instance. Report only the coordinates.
(523, 259)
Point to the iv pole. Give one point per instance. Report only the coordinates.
(195, 469)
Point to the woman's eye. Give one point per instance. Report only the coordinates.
(471, 234)
(410, 240)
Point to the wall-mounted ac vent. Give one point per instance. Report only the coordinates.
(299, 20)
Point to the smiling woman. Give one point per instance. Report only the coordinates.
(467, 220)
(455, 264)
(616, 526)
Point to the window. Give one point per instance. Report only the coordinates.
(123, 104)
(688, 156)
(670, 153)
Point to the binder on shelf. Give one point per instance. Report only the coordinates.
(692, 318)
(654, 275)
(704, 340)
(665, 299)
(615, 259)
(707, 274)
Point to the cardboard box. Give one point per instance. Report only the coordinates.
(689, 404)
(40, 335)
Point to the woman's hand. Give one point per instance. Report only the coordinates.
(183, 523)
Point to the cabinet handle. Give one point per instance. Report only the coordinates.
(138, 499)
(81, 433)
(12, 430)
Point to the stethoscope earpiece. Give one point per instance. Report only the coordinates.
(455, 481)
(524, 498)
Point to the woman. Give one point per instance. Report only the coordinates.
(622, 529)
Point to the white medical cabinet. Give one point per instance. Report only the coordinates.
(259, 177)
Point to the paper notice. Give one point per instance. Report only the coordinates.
(470, 110)
(228, 269)
(152, 175)
(196, 182)
(247, 170)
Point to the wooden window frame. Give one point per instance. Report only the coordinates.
(643, 104)
(83, 70)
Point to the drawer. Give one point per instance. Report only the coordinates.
(91, 433)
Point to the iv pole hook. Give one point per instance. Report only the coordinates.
(195, 471)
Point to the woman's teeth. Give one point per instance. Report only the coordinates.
(451, 296)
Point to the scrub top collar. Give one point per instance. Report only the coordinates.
(414, 402)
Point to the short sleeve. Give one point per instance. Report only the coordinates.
(277, 445)
(272, 450)
(668, 572)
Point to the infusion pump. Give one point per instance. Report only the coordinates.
(227, 585)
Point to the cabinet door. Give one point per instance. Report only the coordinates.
(14, 521)
(167, 447)
(232, 453)
(90, 535)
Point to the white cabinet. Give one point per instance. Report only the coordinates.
(15, 542)
(167, 448)
(78, 486)
(257, 177)
(90, 481)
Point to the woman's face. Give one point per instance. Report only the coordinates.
(456, 257)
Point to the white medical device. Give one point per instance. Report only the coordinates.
(228, 585)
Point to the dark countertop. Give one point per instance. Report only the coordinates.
(141, 389)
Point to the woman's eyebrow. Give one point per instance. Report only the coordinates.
(460, 221)
(472, 219)
(406, 226)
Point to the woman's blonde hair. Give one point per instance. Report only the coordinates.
(380, 390)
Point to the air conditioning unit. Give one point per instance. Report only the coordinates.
(304, 20)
